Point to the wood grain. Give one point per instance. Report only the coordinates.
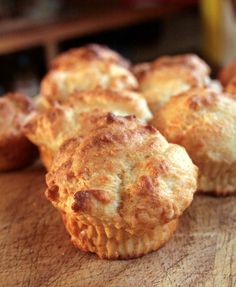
(36, 251)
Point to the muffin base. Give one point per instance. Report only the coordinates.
(216, 178)
(109, 242)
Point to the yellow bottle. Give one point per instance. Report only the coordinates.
(219, 30)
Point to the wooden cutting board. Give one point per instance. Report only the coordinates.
(36, 251)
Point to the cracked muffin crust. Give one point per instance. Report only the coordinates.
(122, 188)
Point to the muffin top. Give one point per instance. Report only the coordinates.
(85, 75)
(189, 61)
(14, 107)
(168, 76)
(88, 53)
(160, 84)
(51, 127)
(119, 102)
(203, 121)
(122, 173)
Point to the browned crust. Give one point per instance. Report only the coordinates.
(52, 193)
(83, 199)
(89, 53)
(196, 102)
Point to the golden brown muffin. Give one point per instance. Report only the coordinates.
(15, 149)
(204, 122)
(87, 73)
(168, 76)
(227, 73)
(87, 53)
(122, 188)
(48, 129)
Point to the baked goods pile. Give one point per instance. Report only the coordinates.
(126, 147)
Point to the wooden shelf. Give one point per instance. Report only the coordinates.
(49, 34)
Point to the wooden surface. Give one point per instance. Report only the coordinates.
(36, 251)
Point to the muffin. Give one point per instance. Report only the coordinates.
(49, 128)
(227, 73)
(16, 151)
(204, 122)
(169, 76)
(87, 53)
(122, 188)
(87, 73)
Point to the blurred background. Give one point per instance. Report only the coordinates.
(33, 32)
